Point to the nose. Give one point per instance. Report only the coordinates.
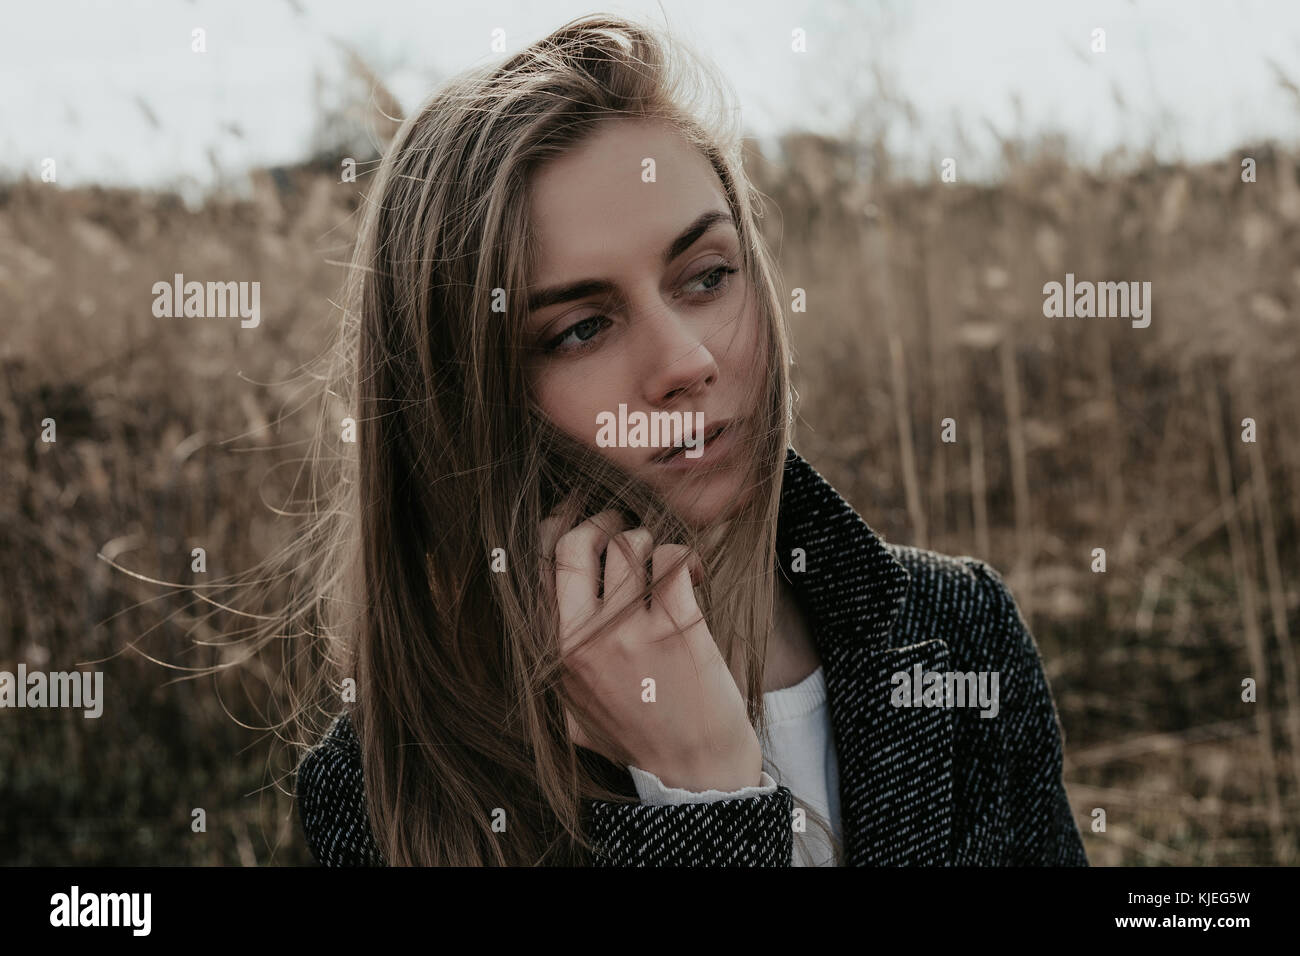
(680, 362)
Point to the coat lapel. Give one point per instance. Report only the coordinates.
(895, 763)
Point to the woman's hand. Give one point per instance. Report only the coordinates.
(696, 734)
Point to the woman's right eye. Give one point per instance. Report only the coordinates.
(588, 324)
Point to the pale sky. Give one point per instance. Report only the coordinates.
(81, 80)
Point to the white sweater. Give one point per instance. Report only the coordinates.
(798, 752)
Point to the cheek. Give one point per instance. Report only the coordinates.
(569, 406)
(746, 347)
(572, 398)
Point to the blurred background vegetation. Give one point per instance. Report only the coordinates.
(924, 302)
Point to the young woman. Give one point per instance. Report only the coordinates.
(560, 642)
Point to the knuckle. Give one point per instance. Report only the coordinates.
(639, 539)
(572, 545)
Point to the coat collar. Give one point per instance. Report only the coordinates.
(895, 763)
(850, 583)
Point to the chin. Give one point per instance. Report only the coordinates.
(702, 508)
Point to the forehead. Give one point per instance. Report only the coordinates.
(591, 209)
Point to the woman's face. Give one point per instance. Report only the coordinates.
(639, 300)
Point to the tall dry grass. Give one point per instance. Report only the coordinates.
(925, 303)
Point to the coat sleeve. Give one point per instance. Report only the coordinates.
(749, 831)
(1040, 826)
(331, 802)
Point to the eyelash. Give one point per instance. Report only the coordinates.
(726, 270)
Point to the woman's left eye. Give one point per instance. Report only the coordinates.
(595, 324)
(721, 274)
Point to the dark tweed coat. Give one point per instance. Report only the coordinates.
(927, 786)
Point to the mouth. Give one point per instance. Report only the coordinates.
(710, 433)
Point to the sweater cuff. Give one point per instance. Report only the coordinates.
(652, 790)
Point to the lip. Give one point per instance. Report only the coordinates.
(714, 450)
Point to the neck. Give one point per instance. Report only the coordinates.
(791, 649)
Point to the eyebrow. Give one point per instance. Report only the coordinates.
(555, 295)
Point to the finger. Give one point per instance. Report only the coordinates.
(625, 567)
(694, 566)
(551, 529)
(674, 587)
(577, 571)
